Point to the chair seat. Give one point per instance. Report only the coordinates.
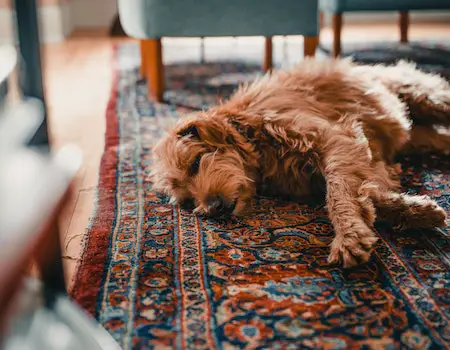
(145, 19)
(151, 20)
(340, 6)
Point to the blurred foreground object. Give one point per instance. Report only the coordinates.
(35, 184)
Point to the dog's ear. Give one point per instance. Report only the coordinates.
(245, 130)
(211, 131)
(189, 130)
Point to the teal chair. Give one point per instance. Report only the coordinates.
(151, 20)
(338, 7)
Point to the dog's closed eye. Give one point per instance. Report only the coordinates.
(191, 131)
(195, 166)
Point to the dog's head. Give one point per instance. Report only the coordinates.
(207, 164)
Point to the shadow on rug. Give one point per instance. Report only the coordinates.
(431, 56)
(156, 276)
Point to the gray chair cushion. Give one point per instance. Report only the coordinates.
(193, 18)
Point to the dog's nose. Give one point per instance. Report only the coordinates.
(218, 206)
(187, 204)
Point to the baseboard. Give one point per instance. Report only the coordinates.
(55, 24)
(93, 14)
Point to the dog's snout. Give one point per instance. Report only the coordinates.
(218, 206)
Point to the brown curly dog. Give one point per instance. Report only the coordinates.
(325, 127)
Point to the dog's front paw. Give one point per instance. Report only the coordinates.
(353, 247)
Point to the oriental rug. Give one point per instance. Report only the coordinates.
(156, 276)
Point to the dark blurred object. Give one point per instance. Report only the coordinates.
(116, 28)
(338, 7)
(30, 67)
(152, 20)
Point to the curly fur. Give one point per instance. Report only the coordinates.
(324, 128)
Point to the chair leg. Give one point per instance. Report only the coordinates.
(154, 68)
(310, 45)
(143, 70)
(268, 54)
(404, 24)
(337, 30)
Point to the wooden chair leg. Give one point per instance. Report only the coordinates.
(143, 59)
(310, 45)
(154, 68)
(404, 24)
(337, 30)
(268, 54)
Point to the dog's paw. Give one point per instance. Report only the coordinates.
(433, 215)
(422, 212)
(353, 247)
(439, 217)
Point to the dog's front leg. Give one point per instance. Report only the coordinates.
(354, 238)
(346, 166)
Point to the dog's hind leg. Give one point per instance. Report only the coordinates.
(426, 95)
(405, 211)
(428, 139)
(400, 209)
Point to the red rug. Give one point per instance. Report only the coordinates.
(156, 276)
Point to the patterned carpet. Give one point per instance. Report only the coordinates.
(156, 276)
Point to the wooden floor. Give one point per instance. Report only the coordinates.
(78, 76)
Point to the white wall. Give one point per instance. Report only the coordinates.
(58, 21)
(93, 13)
